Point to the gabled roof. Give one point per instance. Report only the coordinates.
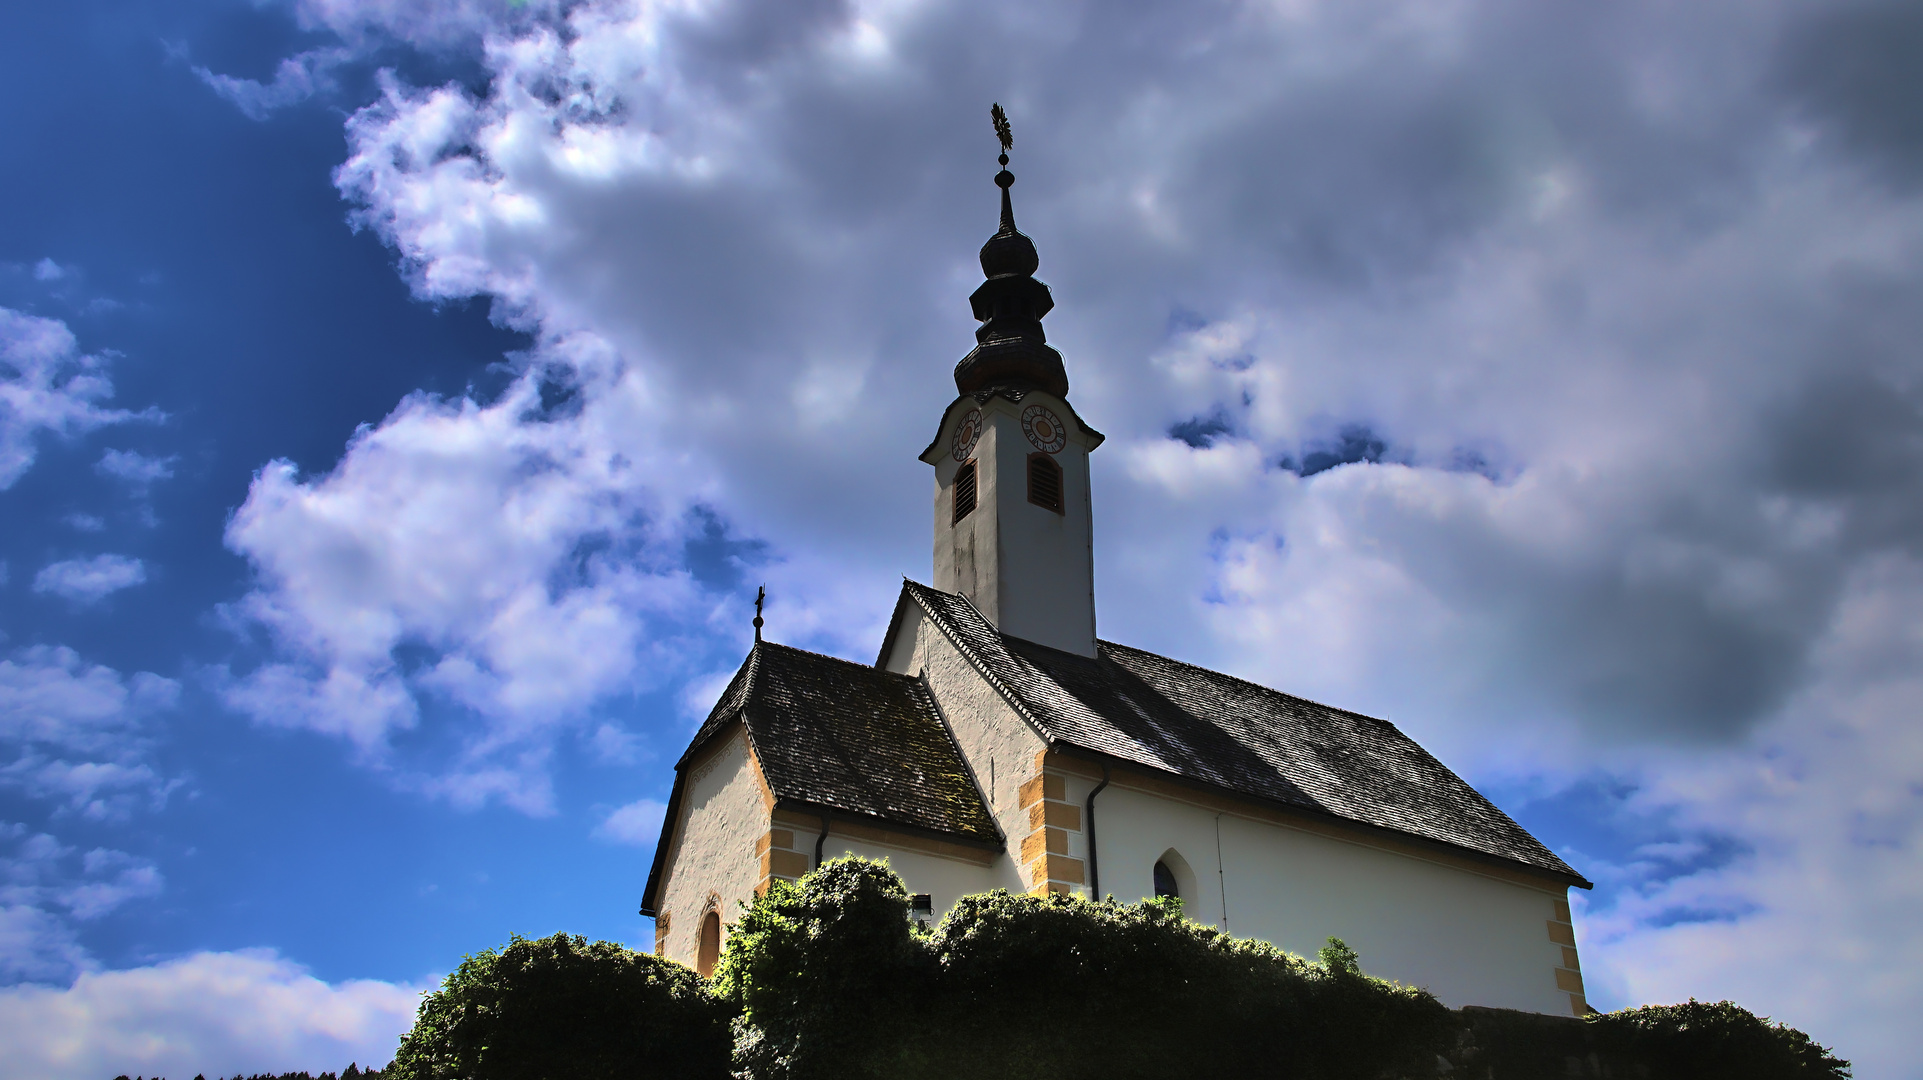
(1222, 732)
(832, 733)
(837, 736)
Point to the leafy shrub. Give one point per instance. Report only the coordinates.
(561, 1007)
(1692, 1041)
(832, 981)
(1704, 1041)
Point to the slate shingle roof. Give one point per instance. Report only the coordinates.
(848, 737)
(1214, 729)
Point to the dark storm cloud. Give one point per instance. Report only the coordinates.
(1858, 71)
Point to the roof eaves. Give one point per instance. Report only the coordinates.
(1324, 814)
(818, 809)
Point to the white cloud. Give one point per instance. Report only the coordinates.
(434, 25)
(89, 581)
(637, 824)
(135, 468)
(74, 732)
(529, 561)
(1813, 915)
(212, 1013)
(1610, 321)
(48, 270)
(47, 385)
(45, 886)
(296, 79)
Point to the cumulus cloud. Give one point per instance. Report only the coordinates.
(513, 566)
(89, 581)
(637, 824)
(1540, 378)
(213, 1013)
(46, 385)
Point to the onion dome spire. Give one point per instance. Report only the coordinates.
(1011, 349)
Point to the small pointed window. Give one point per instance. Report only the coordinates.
(964, 491)
(710, 950)
(1045, 482)
(1165, 881)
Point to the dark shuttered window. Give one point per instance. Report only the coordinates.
(1045, 482)
(964, 491)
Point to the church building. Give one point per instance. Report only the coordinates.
(998, 743)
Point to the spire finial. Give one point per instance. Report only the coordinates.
(1004, 179)
(761, 593)
(1011, 350)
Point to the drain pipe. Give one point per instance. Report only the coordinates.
(1220, 880)
(1094, 869)
(822, 839)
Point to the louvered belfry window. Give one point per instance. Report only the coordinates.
(1045, 482)
(964, 491)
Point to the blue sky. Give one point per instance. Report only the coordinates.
(399, 403)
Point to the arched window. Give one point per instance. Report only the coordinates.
(710, 952)
(1045, 482)
(1165, 881)
(964, 491)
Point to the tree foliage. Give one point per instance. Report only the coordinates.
(1691, 1041)
(832, 980)
(829, 977)
(561, 1007)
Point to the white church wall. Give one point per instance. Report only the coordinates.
(944, 879)
(998, 745)
(723, 813)
(1047, 565)
(1471, 939)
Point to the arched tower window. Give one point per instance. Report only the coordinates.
(964, 491)
(1165, 881)
(709, 953)
(1045, 482)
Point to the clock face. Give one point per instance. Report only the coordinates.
(1044, 429)
(967, 430)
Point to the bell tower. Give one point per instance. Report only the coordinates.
(1013, 531)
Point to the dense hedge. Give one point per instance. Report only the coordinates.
(561, 1007)
(1692, 1041)
(830, 978)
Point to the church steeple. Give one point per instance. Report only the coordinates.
(1012, 515)
(1011, 348)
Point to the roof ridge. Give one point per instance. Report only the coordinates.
(982, 667)
(830, 656)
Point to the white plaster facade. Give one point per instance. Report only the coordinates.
(711, 861)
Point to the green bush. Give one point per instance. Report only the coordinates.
(832, 981)
(828, 977)
(1692, 1041)
(559, 1008)
(1703, 1041)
